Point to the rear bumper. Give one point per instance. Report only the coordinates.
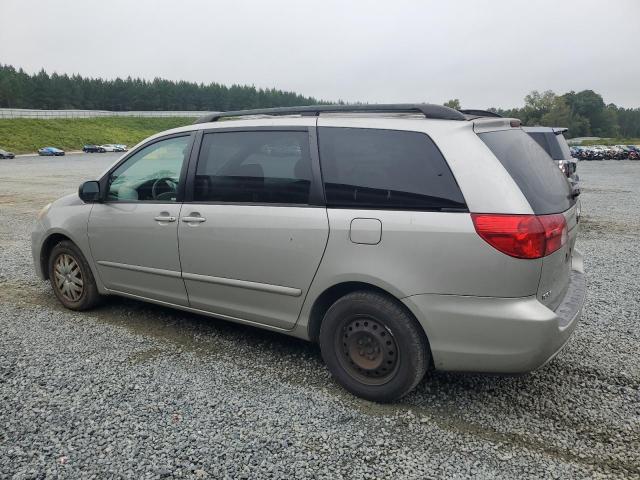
(500, 335)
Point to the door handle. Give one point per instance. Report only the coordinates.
(194, 219)
(164, 218)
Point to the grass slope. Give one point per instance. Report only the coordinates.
(25, 135)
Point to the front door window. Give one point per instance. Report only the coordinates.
(151, 174)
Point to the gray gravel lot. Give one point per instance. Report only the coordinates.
(135, 390)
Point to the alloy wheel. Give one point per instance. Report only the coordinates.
(68, 277)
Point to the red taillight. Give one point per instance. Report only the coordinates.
(522, 236)
(555, 231)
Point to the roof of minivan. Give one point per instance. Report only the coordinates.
(432, 111)
(481, 120)
(477, 124)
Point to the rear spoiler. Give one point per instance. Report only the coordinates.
(492, 124)
(479, 113)
(559, 131)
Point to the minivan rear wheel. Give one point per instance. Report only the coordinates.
(71, 277)
(373, 346)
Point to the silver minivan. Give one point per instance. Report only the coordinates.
(398, 237)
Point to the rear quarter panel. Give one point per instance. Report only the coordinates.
(431, 252)
(422, 252)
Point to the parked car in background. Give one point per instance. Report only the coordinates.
(606, 152)
(623, 152)
(614, 152)
(50, 152)
(93, 149)
(597, 152)
(114, 147)
(5, 154)
(553, 142)
(107, 147)
(437, 239)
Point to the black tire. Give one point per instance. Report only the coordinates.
(88, 296)
(373, 346)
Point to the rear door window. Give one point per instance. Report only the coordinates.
(254, 167)
(540, 180)
(393, 169)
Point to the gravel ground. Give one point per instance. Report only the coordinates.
(135, 390)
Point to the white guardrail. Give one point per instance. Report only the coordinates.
(47, 114)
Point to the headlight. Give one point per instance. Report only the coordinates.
(44, 211)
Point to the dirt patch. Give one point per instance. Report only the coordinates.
(145, 356)
(603, 190)
(590, 224)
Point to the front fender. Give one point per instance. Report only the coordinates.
(68, 217)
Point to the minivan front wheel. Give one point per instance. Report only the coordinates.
(373, 347)
(71, 277)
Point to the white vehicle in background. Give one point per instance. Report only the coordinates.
(114, 147)
(109, 148)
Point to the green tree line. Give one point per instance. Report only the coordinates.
(584, 113)
(19, 89)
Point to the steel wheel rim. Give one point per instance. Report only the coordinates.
(367, 350)
(68, 277)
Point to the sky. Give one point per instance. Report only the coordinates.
(487, 53)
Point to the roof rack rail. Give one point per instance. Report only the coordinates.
(480, 113)
(428, 110)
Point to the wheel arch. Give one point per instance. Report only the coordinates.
(47, 246)
(330, 295)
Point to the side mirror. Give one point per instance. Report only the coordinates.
(89, 192)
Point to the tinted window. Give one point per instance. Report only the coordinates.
(562, 148)
(541, 139)
(372, 168)
(540, 180)
(254, 167)
(555, 145)
(152, 173)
